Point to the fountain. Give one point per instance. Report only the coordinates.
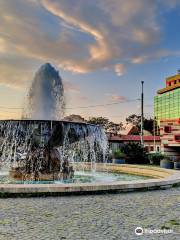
(51, 156)
(43, 147)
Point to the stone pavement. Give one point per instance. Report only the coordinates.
(91, 217)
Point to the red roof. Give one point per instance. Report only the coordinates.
(133, 138)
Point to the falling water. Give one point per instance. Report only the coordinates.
(41, 147)
(45, 100)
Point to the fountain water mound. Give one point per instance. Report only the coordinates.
(45, 99)
(46, 150)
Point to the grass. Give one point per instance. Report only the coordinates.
(174, 222)
(4, 221)
(48, 214)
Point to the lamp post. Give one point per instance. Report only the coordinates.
(142, 113)
(154, 129)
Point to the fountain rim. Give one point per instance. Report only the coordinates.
(170, 179)
(57, 121)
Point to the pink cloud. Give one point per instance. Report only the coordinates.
(71, 87)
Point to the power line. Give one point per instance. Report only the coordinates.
(10, 107)
(107, 104)
(9, 112)
(78, 107)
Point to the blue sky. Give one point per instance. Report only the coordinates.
(103, 49)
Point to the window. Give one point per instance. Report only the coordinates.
(151, 148)
(158, 148)
(175, 81)
(177, 138)
(146, 148)
(167, 129)
(169, 84)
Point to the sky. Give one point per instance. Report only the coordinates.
(103, 49)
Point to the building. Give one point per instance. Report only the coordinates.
(151, 143)
(167, 114)
(167, 101)
(170, 137)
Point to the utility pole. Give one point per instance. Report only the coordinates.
(154, 128)
(142, 114)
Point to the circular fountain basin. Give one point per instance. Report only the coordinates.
(151, 178)
(79, 177)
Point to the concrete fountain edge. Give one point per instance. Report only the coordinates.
(166, 179)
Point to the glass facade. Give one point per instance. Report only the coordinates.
(167, 105)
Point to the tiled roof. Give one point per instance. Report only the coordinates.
(128, 129)
(132, 138)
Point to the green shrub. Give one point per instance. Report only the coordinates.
(135, 153)
(118, 154)
(167, 160)
(155, 158)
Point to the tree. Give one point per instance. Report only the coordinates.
(99, 121)
(136, 121)
(109, 126)
(114, 127)
(74, 118)
(135, 153)
(155, 158)
(149, 125)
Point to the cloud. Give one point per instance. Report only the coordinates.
(16, 71)
(155, 55)
(97, 53)
(88, 36)
(119, 69)
(3, 47)
(169, 3)
(116, 97)
(70, 87)
(115, 24)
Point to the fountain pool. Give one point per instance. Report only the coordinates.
(79, 177)
(41, 152)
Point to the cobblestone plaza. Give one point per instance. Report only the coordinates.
(109, 216)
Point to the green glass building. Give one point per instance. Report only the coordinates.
(167, 100)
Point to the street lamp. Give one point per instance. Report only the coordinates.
(142, 114)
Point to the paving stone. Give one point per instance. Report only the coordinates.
(91, 217)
